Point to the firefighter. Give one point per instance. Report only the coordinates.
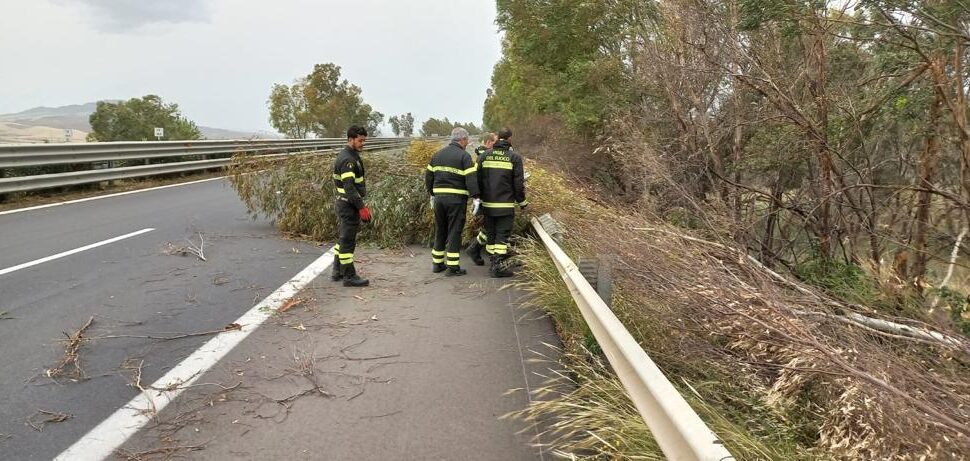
(348, 178)
(451, 180)
(477, 244)
(502, 178)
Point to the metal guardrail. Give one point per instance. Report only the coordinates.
(21, 155)
(24, 155)
(679, 431)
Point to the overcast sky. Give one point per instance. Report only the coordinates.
(218, 59)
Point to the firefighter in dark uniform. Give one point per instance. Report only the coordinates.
(348, 178)
(502, 177)
(451, 180)
(478, 242)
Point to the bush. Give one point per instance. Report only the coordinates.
(298, 193)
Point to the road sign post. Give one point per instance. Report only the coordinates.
(159, 133)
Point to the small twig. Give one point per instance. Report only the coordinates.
(371, 358)
(230, 327)
(51, 417)
(71, 354)
(353, 345)
(4, 315)
(312, 390)
(381, 416)
(136, 383)
(139, 456)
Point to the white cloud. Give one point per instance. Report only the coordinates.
(121, 16)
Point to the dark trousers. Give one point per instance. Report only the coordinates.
(348, 223)
(449, 221)
(498, 229)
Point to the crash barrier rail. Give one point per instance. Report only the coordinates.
(679, 431)
(104, 155)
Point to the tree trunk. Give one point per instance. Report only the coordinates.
(928, 160)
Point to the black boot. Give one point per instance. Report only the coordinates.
(337, 273)
(455, 271)
(498, 268)
(438, 267)
(475, 252)
(351, 279)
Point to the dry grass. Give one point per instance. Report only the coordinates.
(771, 369)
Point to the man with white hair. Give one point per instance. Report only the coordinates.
(451, 179)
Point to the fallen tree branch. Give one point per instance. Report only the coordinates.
(71, 354)
(900, 330)
(191, 249)
(953, 258)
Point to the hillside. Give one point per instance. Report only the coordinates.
(47, 124)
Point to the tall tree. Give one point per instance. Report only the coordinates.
(288, 110)
(402, 125)
(321, 103)
(436, 127)
(136, 120)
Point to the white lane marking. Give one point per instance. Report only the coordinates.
(99, 197)
(108, 436)
(74, 251)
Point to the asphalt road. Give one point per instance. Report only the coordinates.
(418, 366)
(130, 287)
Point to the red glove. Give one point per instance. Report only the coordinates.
(365, 214)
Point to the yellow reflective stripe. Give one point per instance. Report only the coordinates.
(341, 190)
(497, 164)
(456, 171)
(498, 205)
(358, 180)
(482, 238)
(524, 203)
(349, 260)
(449, 169)
(437, 260)
(453, 263)
(349, 174)
(437, 253)
(454, 255)
(446, 190)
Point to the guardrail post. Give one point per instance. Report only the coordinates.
(3, 174)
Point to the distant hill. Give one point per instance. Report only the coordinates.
(47, 124)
